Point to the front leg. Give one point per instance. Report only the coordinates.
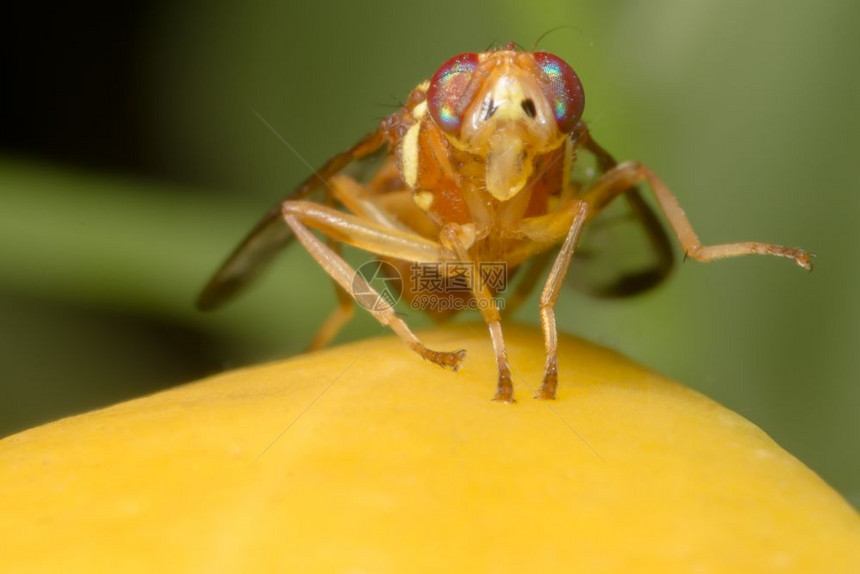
(489, 311)
(357, 200)
(346, 228)
(549, 297)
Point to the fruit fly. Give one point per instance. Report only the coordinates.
(482, 163)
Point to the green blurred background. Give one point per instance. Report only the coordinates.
(131, 163)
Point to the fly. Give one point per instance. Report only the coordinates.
(487, 162)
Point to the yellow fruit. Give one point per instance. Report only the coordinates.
(363, 458)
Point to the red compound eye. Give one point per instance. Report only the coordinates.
(562, 89)
(447, 97)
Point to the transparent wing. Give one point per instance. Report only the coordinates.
(254, 254)
(247, 261)
(624, 250)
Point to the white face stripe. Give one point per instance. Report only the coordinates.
(419, 111)
(409, 155)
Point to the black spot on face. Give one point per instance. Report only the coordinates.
(529, 108)
(490, 109)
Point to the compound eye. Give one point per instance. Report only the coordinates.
(562, 89)
(448, 95)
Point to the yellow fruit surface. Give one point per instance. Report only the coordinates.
(364, 458)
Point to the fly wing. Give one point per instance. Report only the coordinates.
(624, 250)
(247, 261)
(259, 248)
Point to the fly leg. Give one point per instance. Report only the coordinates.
(621, 177)
(352, 195)
(347, 228)
(549, 297)
(490, 313)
